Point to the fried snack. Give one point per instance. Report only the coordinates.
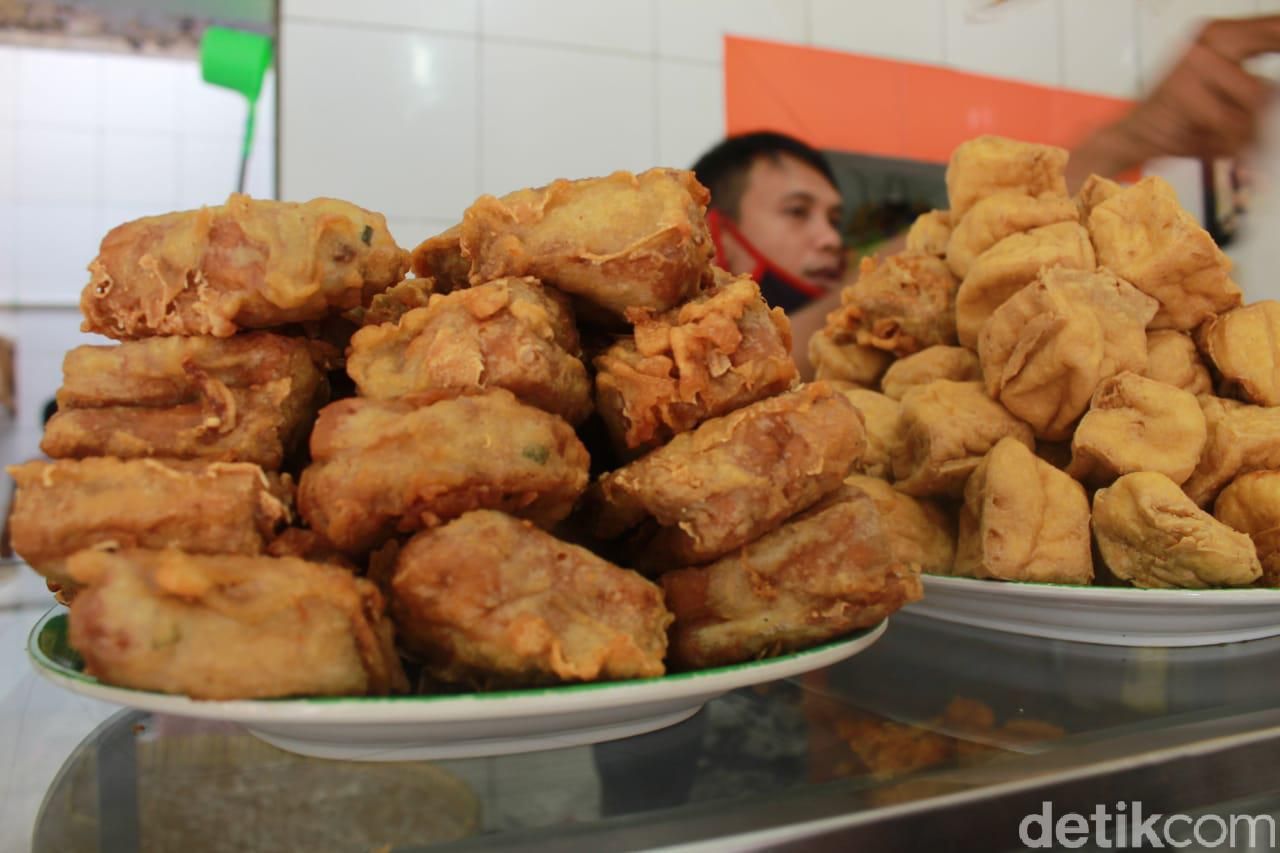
(1251, 505)
(1011, 265)
(847, 362)
(1095, 191)
(732, 479)
(1137, 424)
(1144, 236)
(929, 233)
(1153, 536)
(625, 241)
(921, 534)
(946, 429)
(1242, 346)
(394, 302)
(492, 601)
(880, 416)
(304, 544)
(231, 627)
(900, 305)
(825, 573)
(1044, 351)
(720, 351)
(216, 508)
(509, 333)
(248, 264)
(940, 362)
(1023, 520)
(1172, 358)
(1241, 438)
(440, 258)
(250, 398)
(987, 165)
(998, 216)
(386, 466)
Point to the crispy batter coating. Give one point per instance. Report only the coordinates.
(509, 333)
(1152, 535)
(394, 302)
(720, 351)
(825, 573)
(493, 601)
(248, 264)
(1023, 520)
(1172, 358)
(1137, 424)
(900, 305)
(940, 362)
(386, 466)
(1143, 235)
(204, 508)
(231, 627)
(880, 416)
(1241, 438)
(1244, 346)
(946, 429)
(625, 241)
(735, 477)
(921, 533)
(1251, 505)
(929, 233)
(1011, 265)
(440, 258)
(987, 165)
(847, 362)
(999, 215)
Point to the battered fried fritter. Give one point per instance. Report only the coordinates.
(1023, 520)
(493, 601)
(718, 352)
(1251, 505)
(900, 305)
(987, 165)
(929, 233)
(1241, 439)
(714, 489)
(823, 574)
(1152, 535)
(880, 416)
(1172, 358)
(921, 533)
(1242, 344)
(847, 362)
(248, 264)
(394, 302)
(941, 362)
(440, 259)
(230, 627)
(386, 466)
(998, 216)
(509, 333)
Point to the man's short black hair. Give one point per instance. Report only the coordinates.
(723, 170)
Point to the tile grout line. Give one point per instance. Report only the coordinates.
(655, 76)
(479, 144)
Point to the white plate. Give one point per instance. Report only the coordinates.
(1110, 615)
(412, 728)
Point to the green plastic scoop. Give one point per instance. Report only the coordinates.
(237, 60)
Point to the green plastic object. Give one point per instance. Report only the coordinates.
(237, 60)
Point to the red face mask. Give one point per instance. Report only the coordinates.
(779, 287)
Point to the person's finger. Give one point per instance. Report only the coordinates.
(1236, 39)
(1229, 79)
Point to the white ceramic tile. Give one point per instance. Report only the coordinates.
(8, 243)
(207, 170)
(1017, 41)
(1165, 26)
(690, 111)
(617, 25)
(410, 231)
(9, 69)
(60, 86)
(8, 164)
(1101, 59)
(394, 129)
(695, 29)
(552, 113)
(453, 16)
(207, 109)
(57, 164)
(905, 29)
(141, 93)
(140, 167)
(55, 245)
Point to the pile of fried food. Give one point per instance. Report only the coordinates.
(569, 449)
(1063, 373)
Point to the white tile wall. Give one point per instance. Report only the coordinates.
(626, 26)
(457, 16)
(904, 29)
(695, 29)
(1101, 59)
(410, 231)
(140, 167)
(57, 164)
(1019, 40)
(59, 87)
(690, 111)
(141, 95)
(8, 163)
(1164, 26)
(55, 243)
(9, 91)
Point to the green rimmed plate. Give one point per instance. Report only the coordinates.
(413, 728)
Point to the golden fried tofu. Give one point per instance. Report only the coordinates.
(1137, 424)
(929, 233)
(1095, 190)
(1023, 520)
(440, 259)
(717, 352)
(901, 305)
(624, 241)
(1152, 535)
(1241, 438)
(1172, 358)
(846, 362)
(248, 264)
(1144, 236)
(490, 600)
(1242, 345)
(825, 573)
(1011, 265)
(998, 216)
(946, 429)
(939, 362)
(381, 467)
(204, 508)
(1251, 505)
(921, 533)
(987, 165)
(230, 627)
(732, 479)
(509, 333)
(880, 415)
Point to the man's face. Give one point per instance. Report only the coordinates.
(792, 214)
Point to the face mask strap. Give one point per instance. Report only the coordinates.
(719, 224)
